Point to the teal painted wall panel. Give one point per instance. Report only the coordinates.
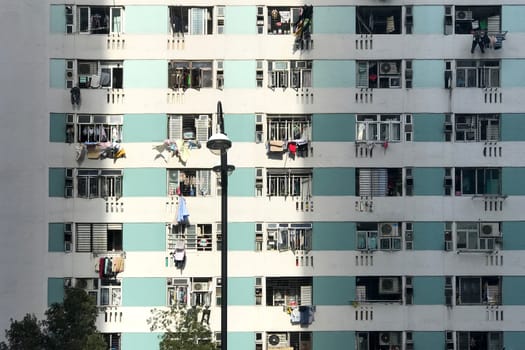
(140, 341)
(512, 18)
(512, 126)
(55, 241)
(333, 290)
(513, 290)
(145, 127)
(334, 20)
(333, 340)
(57, 19)
(151, 19)
(241, 236)
(57, 182)
(144, 182)
(428, 181)
(513, 340)
(57, 127)
(512, 72)
(145, 74)
(144, 291)
(429, 127)
(513, 235)
(241, 340)
(240, 127)
(333, 73)
(428, 73)
(334, 182)
(428, 20)
(241, 291)
(239, 74)
(241, 183)
(55, 290)
(428, 290)
(512, 181)
(429, 235)
(333, 236)
(144, 237)
(429, 340)
(57, 73)
(240, 20)
(333, 127)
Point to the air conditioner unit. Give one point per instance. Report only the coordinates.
(258, 118)
(384, 338)
(301, 64)
(389, 285)
(277, 340)
(489, 229)
(464, 15)
(68, 247)
(388, 68)
(389, 229)
(199, 286)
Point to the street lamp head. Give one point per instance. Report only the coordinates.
(219, 143)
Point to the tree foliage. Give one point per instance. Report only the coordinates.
(182, 329)
(68, 325)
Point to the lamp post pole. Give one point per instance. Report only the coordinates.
(224, 233)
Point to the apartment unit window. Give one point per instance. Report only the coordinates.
(112, 340)
(379, 182)
(196, 237)
(99, 183)
(476, 236)
(201, 292)
(379, 74)
(378, 20)
(374, 236)
(378, 289)
(283, 19)
(479, 340)
(189, 127)
(487, 18)
(189, 182)
(190, 74)
(378, 127)
(289, 132)
(89, 285)
(100, 74)
(94, 128)
(288, 340)
(477, 127)
(379, 340)
(295, 74)
(110, 292)
(289, 236)
(94, 19)
(477, 181)
(289, 182)
(288, 291)
(177, 291)
(98, 238)
(478, 73)
(471, 290)
(191, 20)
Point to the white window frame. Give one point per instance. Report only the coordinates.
(115, 19)
(472, 127)
(392, 76)
(289, 236)
(98, 237)
(196, 237)
(478, 73)
(486, 171)
(177, 291)
(289, 182)
(113, 293)
(379, 127)
(301, 74)
(290, 14)
(278, 74)
(288, 127)
(178, 125)
(200, 182)
(469, 237)
(93, 124)
(194, 25)
(100, 183)
(182, 73)
(100, 75)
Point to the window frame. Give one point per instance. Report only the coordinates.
(296, 182)
(384, 124)
(190, 74)
(199, 182)
(99, 183)
(289, 236)
(477, 127)
(77, 123)
(480, 175)
(97, 234)
(370, 74)
(114, 23)
(187, 17)
(478, 73)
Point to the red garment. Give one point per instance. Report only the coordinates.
(101, 267)
(292, 148)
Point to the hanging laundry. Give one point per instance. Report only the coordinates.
(292, 148)
(183, 216)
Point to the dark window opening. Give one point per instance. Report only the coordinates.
(378, 289)
(378, 20)
(288, 291)
(477, 181)
(485, 18)
(191, 20)
(379, 182)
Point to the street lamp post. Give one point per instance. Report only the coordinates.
(219, 144)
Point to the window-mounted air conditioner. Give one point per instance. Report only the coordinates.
(464, 15)
(384, 338)
(301, 65)
(199, 286)
(388, 68)
(389, 285)
(489, 229)
(389, 229)
(277, 340)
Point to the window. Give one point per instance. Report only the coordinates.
(288, 291)
(189, 182)
(477, 236)
(190, 74)
(99, 183)
(477, 181)
(477, 127)
(472, 290)
(378, 20)
(374, 236)
(177, 291)
(292, 236)
(289, 182)
(373, 127)
(483, 17)
(110, 292)
(477, 73)
(112, 340)
(191, 20)
(201, 292)
(100, 74)
(379, 182)
(189, 127)
(479, 340)
(378, 289)
(96, 19)
(290, 133)
(94, 128)
(379, 340)
(196, 237)
(98, 238)
(296, 74)
(379, 74)
(283, 19)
